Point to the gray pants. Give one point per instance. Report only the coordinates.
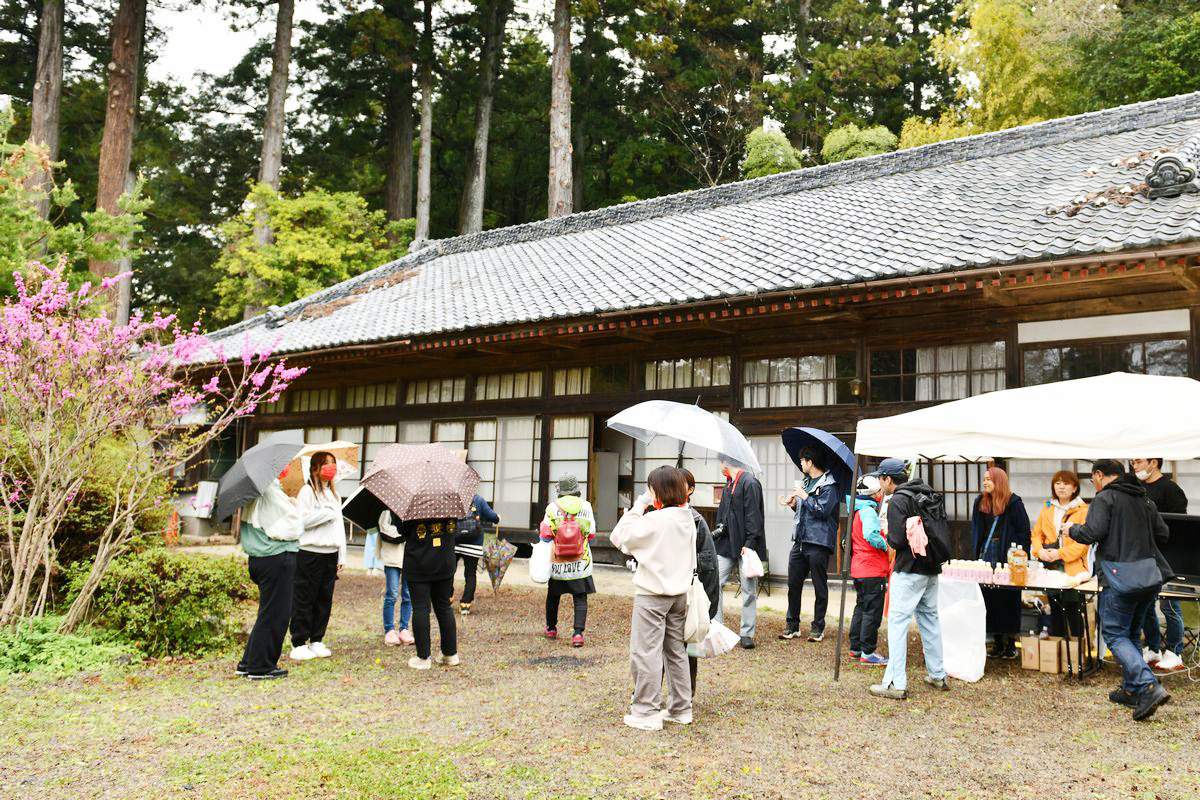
(749, 596)
(655, 640)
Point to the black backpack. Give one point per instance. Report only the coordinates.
(931, 508)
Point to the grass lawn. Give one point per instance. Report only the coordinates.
(528, 718)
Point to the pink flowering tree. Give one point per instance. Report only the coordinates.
(72, 383)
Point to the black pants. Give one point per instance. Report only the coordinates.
(556, 590)
(316, 573)
(807, 559)
(1066, 605)
(438, 594)
(470, 572)
(868, 613)
(274, 576)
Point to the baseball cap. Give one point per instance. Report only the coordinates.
(892, 467)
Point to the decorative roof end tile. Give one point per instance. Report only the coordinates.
(1171, 176)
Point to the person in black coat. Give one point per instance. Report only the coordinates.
(740, 527)
(429, 563)
(706, 566)
(468, 545)
(999, 521)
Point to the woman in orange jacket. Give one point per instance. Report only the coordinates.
(1062, 552)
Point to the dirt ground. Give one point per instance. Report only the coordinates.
(528, 718)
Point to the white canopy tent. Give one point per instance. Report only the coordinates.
(1119, 415)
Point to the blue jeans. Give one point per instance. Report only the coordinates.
(1174, 614)
(1121, 618)
(913, 595)
(396, 585)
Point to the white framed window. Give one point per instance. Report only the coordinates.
(438, 390)
(509, 385)
(685, 373)
(374, 395)
(313, 400)
(791, 381)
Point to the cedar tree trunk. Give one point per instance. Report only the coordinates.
(559, 193)
(47, 90)
(495, 16)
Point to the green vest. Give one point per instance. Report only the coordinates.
(258, 544)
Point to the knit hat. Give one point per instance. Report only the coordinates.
(568, 484)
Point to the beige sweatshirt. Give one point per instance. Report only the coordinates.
(664, 544)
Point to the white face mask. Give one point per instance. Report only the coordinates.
(1142, 474)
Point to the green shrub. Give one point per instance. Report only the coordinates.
(850, 141)
(34, 645)
(171, 603)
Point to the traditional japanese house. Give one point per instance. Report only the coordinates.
(817, 297)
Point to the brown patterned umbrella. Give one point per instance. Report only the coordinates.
(422, 481)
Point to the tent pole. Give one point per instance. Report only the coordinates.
(844, 571)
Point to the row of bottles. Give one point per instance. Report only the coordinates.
(1017, 571)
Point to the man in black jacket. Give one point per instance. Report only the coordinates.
(914, 587)
(740, 528)
(1124, 524)
(1168, 498)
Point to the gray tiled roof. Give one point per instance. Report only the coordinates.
(954, 205)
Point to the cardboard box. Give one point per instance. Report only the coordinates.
(1030, 657)
(1050, 655)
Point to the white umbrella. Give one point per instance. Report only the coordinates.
(686, 423)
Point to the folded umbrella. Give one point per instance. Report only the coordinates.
(497, 555)
(838, 458)
(422, 481)
(688, 424)
(250, 476)
(346, 454)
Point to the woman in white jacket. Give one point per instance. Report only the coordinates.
(664, 544)
(320, 560)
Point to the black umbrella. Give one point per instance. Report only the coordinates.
(363, 508)
(251, 475)
(838, 458)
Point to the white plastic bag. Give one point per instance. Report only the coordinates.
(719, 641)
(539, 563)
(752, 566)
(963, 619)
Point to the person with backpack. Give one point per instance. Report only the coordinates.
(869, 569)
(663, 543)
(917, 529)
(1126, 528)
(468, 546)
(570, 526)
(998, 522)
(815, 504)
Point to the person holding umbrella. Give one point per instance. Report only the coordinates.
(740, 527)
(429, 564)
(270, 533)
(321, 558)
(815, 502)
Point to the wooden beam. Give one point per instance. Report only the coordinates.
(1186, 277)
(993, 294)
(639, 336)
(554, 341)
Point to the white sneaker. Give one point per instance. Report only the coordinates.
(420, 663)
(651, 723)
(1170, 662)
(682, 719)
(302, 653)
(447, 661)
(1152, 657)
(320, 650)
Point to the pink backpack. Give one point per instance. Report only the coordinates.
(568, 540)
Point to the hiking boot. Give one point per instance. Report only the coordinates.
(938, 683)
(447, 661)
(890, 692)
(789, 633)
(577, 640)
(1123, 697)
(274, 674)
(1149, 700)
(816, 636)
(652, 722)
(747, 643)
(550, 633)
(391, 638)
(873, 660)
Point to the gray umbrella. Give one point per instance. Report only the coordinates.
(251, 475)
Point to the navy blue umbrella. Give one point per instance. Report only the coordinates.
(838, 458)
